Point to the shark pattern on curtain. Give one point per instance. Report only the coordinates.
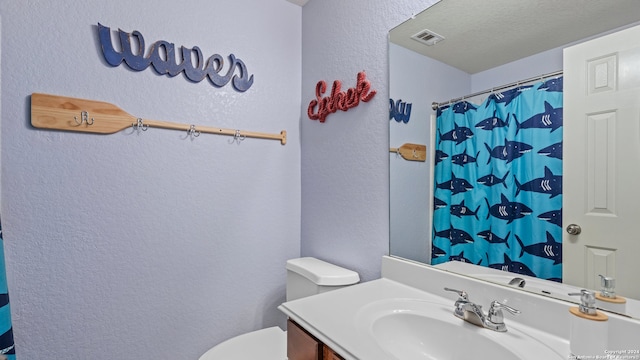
(498, 181)
(7, 348)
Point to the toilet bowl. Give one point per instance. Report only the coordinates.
(305, 277)
(269, 343)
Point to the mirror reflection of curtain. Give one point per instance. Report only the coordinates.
(7, 349)
(498, 181)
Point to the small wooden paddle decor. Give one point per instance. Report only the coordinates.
(99, 117)
(411, 152)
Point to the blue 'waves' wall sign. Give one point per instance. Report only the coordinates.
(399, 110)
(162, 57)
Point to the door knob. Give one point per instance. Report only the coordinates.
(574, 229)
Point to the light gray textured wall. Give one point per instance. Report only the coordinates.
(151, 245)
(345, 161)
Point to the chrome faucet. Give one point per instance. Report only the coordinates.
(517, 281)
(472, 313)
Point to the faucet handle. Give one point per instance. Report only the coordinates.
(461, 293)
(463, 299)
(495, 317)
(497, 306)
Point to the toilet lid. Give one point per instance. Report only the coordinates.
(267, 344)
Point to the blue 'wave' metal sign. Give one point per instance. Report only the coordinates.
(399, 110)
(162, 56)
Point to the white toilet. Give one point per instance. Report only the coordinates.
(305, 277)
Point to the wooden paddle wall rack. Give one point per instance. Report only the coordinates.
(98, 117)
(411, 152)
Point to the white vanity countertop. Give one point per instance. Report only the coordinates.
(336, 317)
(330, 316)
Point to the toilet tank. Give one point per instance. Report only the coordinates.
(309, 276)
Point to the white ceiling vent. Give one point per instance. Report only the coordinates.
(427, 37)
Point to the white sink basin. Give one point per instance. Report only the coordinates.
(407, 329)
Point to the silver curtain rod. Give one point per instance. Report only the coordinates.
(436, 105)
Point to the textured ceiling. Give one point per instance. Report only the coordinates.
(480, 35)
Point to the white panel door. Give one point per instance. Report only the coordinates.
(601, 178)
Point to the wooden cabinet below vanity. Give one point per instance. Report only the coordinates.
(303, 346)
(329, 354)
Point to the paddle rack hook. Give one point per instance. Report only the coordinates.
(84, 118)
(193, 132)
(237, 137)
(139, 125)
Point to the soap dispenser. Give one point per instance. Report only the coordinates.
(588, 327)
(608, 285)
(608, 294)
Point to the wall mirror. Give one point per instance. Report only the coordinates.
(463, 50)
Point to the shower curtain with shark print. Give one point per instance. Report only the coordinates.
(498, 181)
(7, 349)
